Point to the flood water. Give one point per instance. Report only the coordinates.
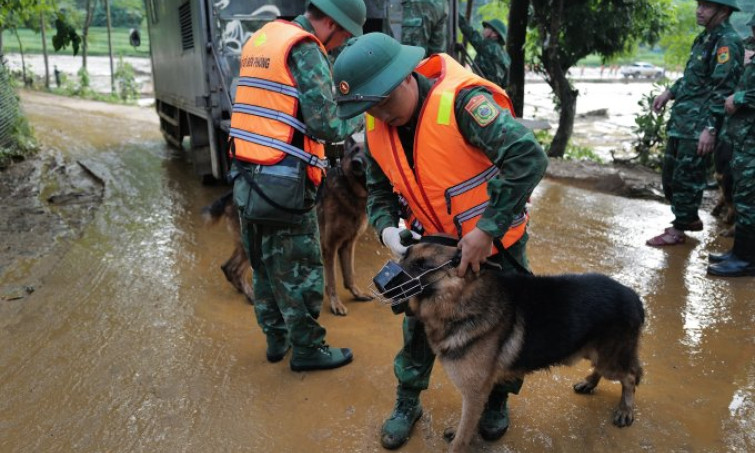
(135, 342)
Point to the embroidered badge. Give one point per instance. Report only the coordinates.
(343, 87)
(722, 55)
(482, 110)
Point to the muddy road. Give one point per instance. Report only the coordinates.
(132, 340)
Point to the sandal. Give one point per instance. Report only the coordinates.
(669, 237)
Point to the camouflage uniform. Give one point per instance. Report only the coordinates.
(287, 262)
(740, 130)
(711, 73)
(522, 162)
(424, 24)
(492, 59)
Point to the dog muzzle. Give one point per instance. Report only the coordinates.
(394, 285)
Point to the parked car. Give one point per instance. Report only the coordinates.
(642, 69)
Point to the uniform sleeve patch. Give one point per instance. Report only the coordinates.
(722, 54)
(482, 110)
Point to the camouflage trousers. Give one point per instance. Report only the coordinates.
(743, 170)
(684, 179)
(288, 279)
(414, 362)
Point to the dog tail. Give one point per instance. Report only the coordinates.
(215, 211)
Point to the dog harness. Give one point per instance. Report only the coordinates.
(264, 121)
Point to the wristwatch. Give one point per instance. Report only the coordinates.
(711, 130)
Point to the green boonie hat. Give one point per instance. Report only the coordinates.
(751, 23)
(349, 14)
(730, 3)
(498, 26)
(368, 69)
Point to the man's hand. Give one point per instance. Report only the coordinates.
(729, 105)
(660, 101)
(475, 247)
(391, 237)
(706, 143)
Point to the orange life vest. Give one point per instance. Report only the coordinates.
(264, 119)
(447, 191)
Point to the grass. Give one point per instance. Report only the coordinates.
(32, 42)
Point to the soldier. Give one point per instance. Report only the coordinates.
(740, 127)
(492, 59)
(711, 74)
(424, 24)
(284, 99)
(447, 156)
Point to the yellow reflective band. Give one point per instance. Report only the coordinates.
(370, 122)
(444, 109)
(260, 39)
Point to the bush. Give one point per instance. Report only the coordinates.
(16, 136)
(128, 87)
(650, 130)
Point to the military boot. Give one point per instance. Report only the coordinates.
(741, 263)
(718, 257)
(495, 417)
(398, 426)
(277, 347)
(321, 357)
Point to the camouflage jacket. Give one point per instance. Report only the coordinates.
(714, 65)
(313, 74)
(424, 24)
(508, 144)
(740, 126)
(491, 59)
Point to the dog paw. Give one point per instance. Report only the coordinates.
(338, 308)
(361, 297)
(584, 387)
(623, 417)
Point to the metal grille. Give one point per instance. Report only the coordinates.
(9, 110)
(187, 34)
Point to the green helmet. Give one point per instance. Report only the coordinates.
(751, 23)
(368, 69)
(349, 14)
(730, 3)
(498, 26)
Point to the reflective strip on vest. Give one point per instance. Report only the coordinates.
(470, 184)
(263, 84)
(251, 137)
(271, 114)
(471, 213)
(445, 108)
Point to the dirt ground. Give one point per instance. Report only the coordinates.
(48, 200)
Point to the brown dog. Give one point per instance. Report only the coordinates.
(341, 215)
(492, 327)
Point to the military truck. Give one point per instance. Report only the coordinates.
(196, 47)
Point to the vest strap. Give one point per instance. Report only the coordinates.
(470, 184)
(263, 84)
(309, 159)
(271, 114)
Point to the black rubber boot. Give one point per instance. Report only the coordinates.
(322, 357)
(398, 426)
(495, 417)
(718, 257)
(741, 263)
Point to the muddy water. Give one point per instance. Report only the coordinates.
(135, 342)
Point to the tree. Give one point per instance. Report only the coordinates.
(677, 41)
(517, 36)
(568, 30)
(89, 8)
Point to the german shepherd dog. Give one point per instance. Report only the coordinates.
(342, 218)
(492, 327)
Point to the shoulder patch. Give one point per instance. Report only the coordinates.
(483, 111)
(722, 54)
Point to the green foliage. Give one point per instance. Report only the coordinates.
(128, 87)
(96, 42)
(677, 41)
(650, 130)
(573, 152)
(66, 34)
